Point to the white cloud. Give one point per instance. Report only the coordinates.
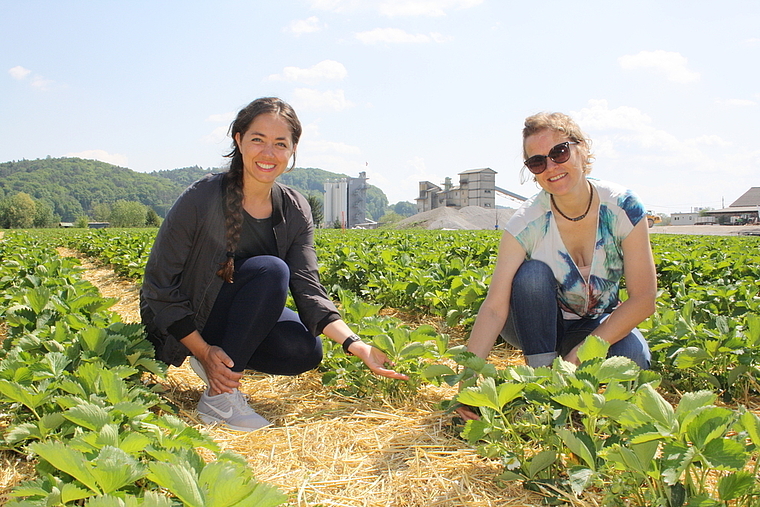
(302, 26)
(669, 173)
(672, 65)
(315, 100)
(334, 156)
(323, 71)
(736, 102)
(709, 140)
(39, 82)
(392, 8)
(396, 36)
(102, 155)
(19, 72)
(434, 8)
(217, 136)
(222, 118)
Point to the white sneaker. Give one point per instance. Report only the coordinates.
(231, 409)
(198, 369)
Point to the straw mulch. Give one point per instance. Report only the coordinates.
(324, 449)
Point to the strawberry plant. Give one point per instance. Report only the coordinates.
(75, 393)
(604, 426)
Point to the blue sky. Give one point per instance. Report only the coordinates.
(669, 91)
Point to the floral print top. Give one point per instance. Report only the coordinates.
(534, 227)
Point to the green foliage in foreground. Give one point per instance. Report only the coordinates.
(603, 426)
(72, 394)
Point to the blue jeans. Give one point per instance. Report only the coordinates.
(250, 323)
(536, 326)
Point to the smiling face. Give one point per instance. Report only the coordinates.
(266, 148)
(557, 179)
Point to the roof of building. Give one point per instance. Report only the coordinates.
(471, 171)
(733, 210)
(750, 198)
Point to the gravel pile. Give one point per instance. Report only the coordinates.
(468, 218)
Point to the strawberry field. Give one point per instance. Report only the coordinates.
(105, 424)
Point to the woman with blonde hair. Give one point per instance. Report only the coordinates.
(562, 256)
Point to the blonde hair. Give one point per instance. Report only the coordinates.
(562, 123)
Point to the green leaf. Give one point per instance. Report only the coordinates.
(733, 486)
(437, 370)
(482, 396)
(689, 357)
(592, 347)
(708, 424)
(617, 368)
(180, 479)
(578, 446)
(263, 495)
(384, 343)
(675, 459)
(751, 424)
(224, 483)
(69, 461)
(71, 493)
(692, 401)
(414, 349)
(115, 469)
(88, 415)
(508, 392)
(37, 298)
(21, 394)
(654, 405)
(725, 454)
(541, 461)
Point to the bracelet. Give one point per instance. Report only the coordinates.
(348, 341)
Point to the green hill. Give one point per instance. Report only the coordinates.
(72, 186)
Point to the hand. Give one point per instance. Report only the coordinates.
(217, 364)
(466, 412)
(375, 359)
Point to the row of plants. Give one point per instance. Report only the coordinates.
(604, 427)
(705, 339)
(704, 334)
(76, 393)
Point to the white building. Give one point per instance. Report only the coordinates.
(346, 201)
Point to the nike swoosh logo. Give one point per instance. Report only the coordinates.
(224, 414)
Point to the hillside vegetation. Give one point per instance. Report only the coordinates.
(73, 186)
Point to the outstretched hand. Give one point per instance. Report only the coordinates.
(376, 360)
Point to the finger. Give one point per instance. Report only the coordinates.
(390, 373)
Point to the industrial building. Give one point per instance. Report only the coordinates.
(346, 202)
(477, 187)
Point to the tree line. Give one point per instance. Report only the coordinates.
(45, 192)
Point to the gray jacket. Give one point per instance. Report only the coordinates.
(181, 285)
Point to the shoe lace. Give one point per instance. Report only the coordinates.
(240, 401)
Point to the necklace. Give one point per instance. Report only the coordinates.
(580, 217)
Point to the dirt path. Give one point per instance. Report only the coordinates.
(110, 285)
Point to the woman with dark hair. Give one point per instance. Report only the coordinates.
(562, 256)
(218, 275)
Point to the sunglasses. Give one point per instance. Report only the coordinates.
(559, 155)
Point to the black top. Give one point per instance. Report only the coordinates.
(256, 238)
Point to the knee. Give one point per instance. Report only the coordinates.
(268, 267)
(533, 277)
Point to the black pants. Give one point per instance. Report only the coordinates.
(250, 323)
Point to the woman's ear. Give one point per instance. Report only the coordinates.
(237, 140)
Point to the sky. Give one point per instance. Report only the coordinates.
(404, 90)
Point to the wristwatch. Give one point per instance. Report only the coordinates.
(348, 341)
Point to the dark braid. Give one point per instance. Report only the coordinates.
(233, 218)
(233, 179)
